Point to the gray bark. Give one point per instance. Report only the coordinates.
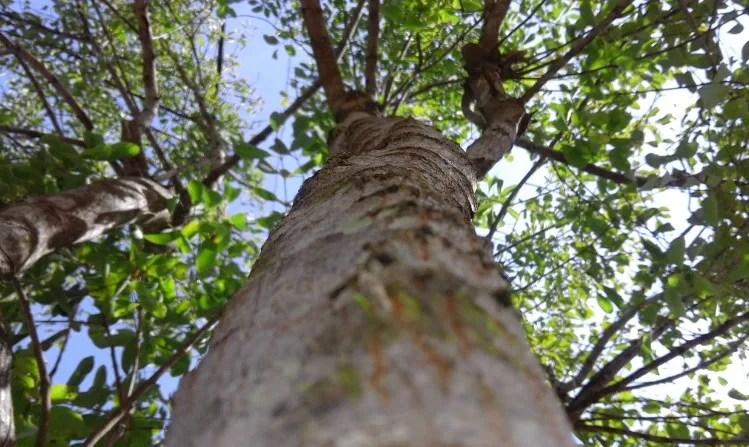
(7, 426)
(42, 225)
(374, 316)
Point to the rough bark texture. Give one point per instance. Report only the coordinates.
(373, 317)
(7, 431)
(41, 225)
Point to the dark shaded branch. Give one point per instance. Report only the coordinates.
(732, 347)
(327, 67)
(679, 179)
(664, 439)
(603, 340)
(116, 415)
(36, 134)
(45, 401)
(220, 55)
(673, 353)
(607, 373)
(575, 49)
(21, 53)
(373, 34)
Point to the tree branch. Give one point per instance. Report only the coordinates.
(117, 414)
(494, 14)
(42, 97)
(329, 72)
(144, 118)
(44, 383)
(576, 48)
(673, 353)
(373, 33)
(654, 438)
(36, 134)
(603, 341)
(610, 370)
(732, 347)
(511, 197)
(679, 179)
(21, 53)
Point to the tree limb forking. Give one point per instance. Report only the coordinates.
(61, 89)
(117, 414)
(44, 382)
(576, 48)
(373, 34)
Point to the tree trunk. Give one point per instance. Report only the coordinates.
(7, 431)
(42, 225)
(374, 316)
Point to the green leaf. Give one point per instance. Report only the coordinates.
(713, 94)
(64, 422)
(271, 40)
(195, 189)
(250, 151)
(124, 149)
(92, 139)
(169, 287)
(745, 51)
(239, 221)
(604, 304)
(100, 378)
(162, 238)
(206, 260)
(710, 210)
(675, 252)
(62, 393)
(84, 367)
(276, 119)
(673, 296)
(738, 395)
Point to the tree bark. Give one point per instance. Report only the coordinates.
(41, 225)
(375, 316)
(7, 426)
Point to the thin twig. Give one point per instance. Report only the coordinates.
(511, 197)
(42, 97)
(576, 48)
(61, 89)
(117, 414)
(44, 382)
